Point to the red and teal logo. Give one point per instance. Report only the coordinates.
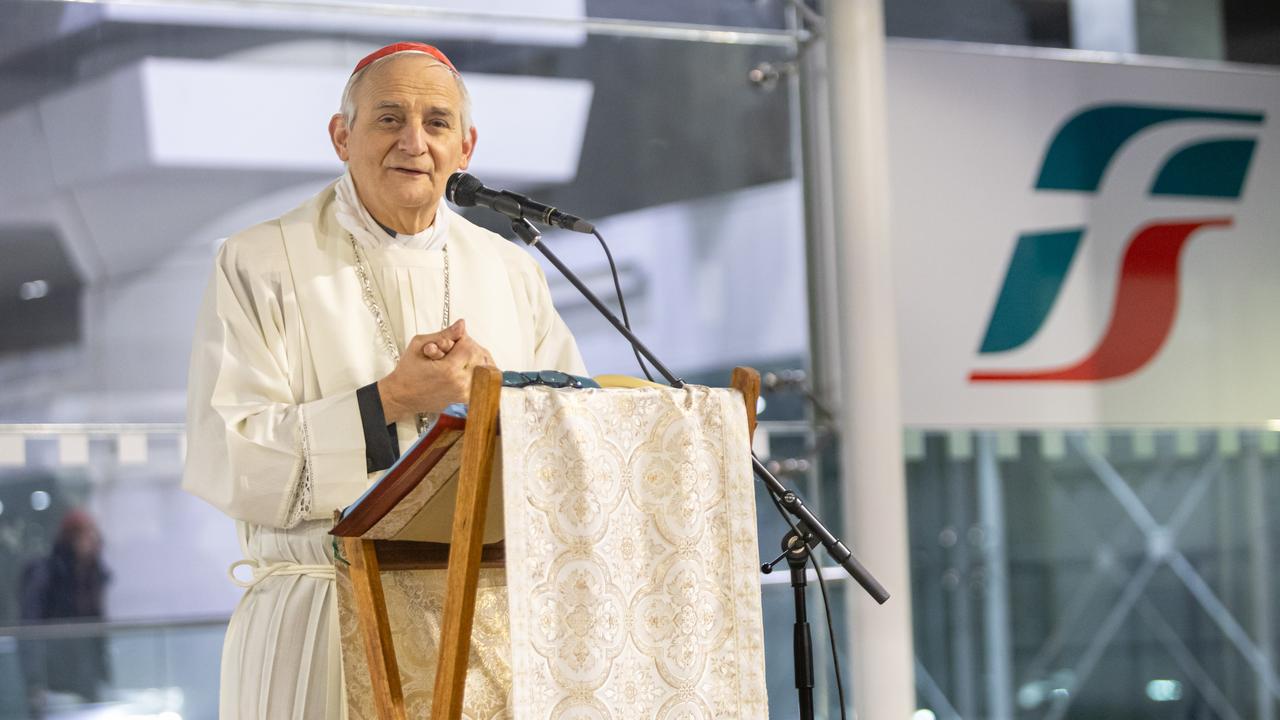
(1145, 306)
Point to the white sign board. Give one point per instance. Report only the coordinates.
(1082, 243)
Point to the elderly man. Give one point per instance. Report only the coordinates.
(327, 340)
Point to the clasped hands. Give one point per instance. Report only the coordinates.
(433, 372)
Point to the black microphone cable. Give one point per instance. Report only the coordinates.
(622, 303)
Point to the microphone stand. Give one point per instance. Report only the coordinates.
(807, 526)
(796, 552)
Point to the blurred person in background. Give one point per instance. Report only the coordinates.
(69, 584)
(327, 341)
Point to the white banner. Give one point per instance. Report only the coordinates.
(1080, 242)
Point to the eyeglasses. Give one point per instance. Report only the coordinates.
(549, 378)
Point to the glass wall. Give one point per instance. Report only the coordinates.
(1117, 573)
(138, 136)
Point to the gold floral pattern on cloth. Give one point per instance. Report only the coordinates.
(415, 603)
(631, 555)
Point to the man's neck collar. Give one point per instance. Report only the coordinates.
(387, 230)
(396, 233)
(355, 217)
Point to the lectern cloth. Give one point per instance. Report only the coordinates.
(632, 564)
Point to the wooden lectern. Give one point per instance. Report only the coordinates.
(464, 554)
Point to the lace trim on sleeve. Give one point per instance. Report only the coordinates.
(300, 503)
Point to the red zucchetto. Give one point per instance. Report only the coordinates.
(404, 47)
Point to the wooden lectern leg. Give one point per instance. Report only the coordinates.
(747, 381)
(371, 607)
(466, 542)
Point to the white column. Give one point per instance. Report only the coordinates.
(871, 429)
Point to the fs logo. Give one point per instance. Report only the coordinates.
(1146, 301)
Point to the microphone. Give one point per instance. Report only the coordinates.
(465, 190)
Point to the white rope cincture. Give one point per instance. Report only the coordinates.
(263, 571)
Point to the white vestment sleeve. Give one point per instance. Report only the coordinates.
(554, 346)
(254, 449)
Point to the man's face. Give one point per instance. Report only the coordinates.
(406, 140)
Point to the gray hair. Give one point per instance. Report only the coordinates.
(349, 92)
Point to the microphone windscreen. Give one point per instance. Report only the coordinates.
(461, 189)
